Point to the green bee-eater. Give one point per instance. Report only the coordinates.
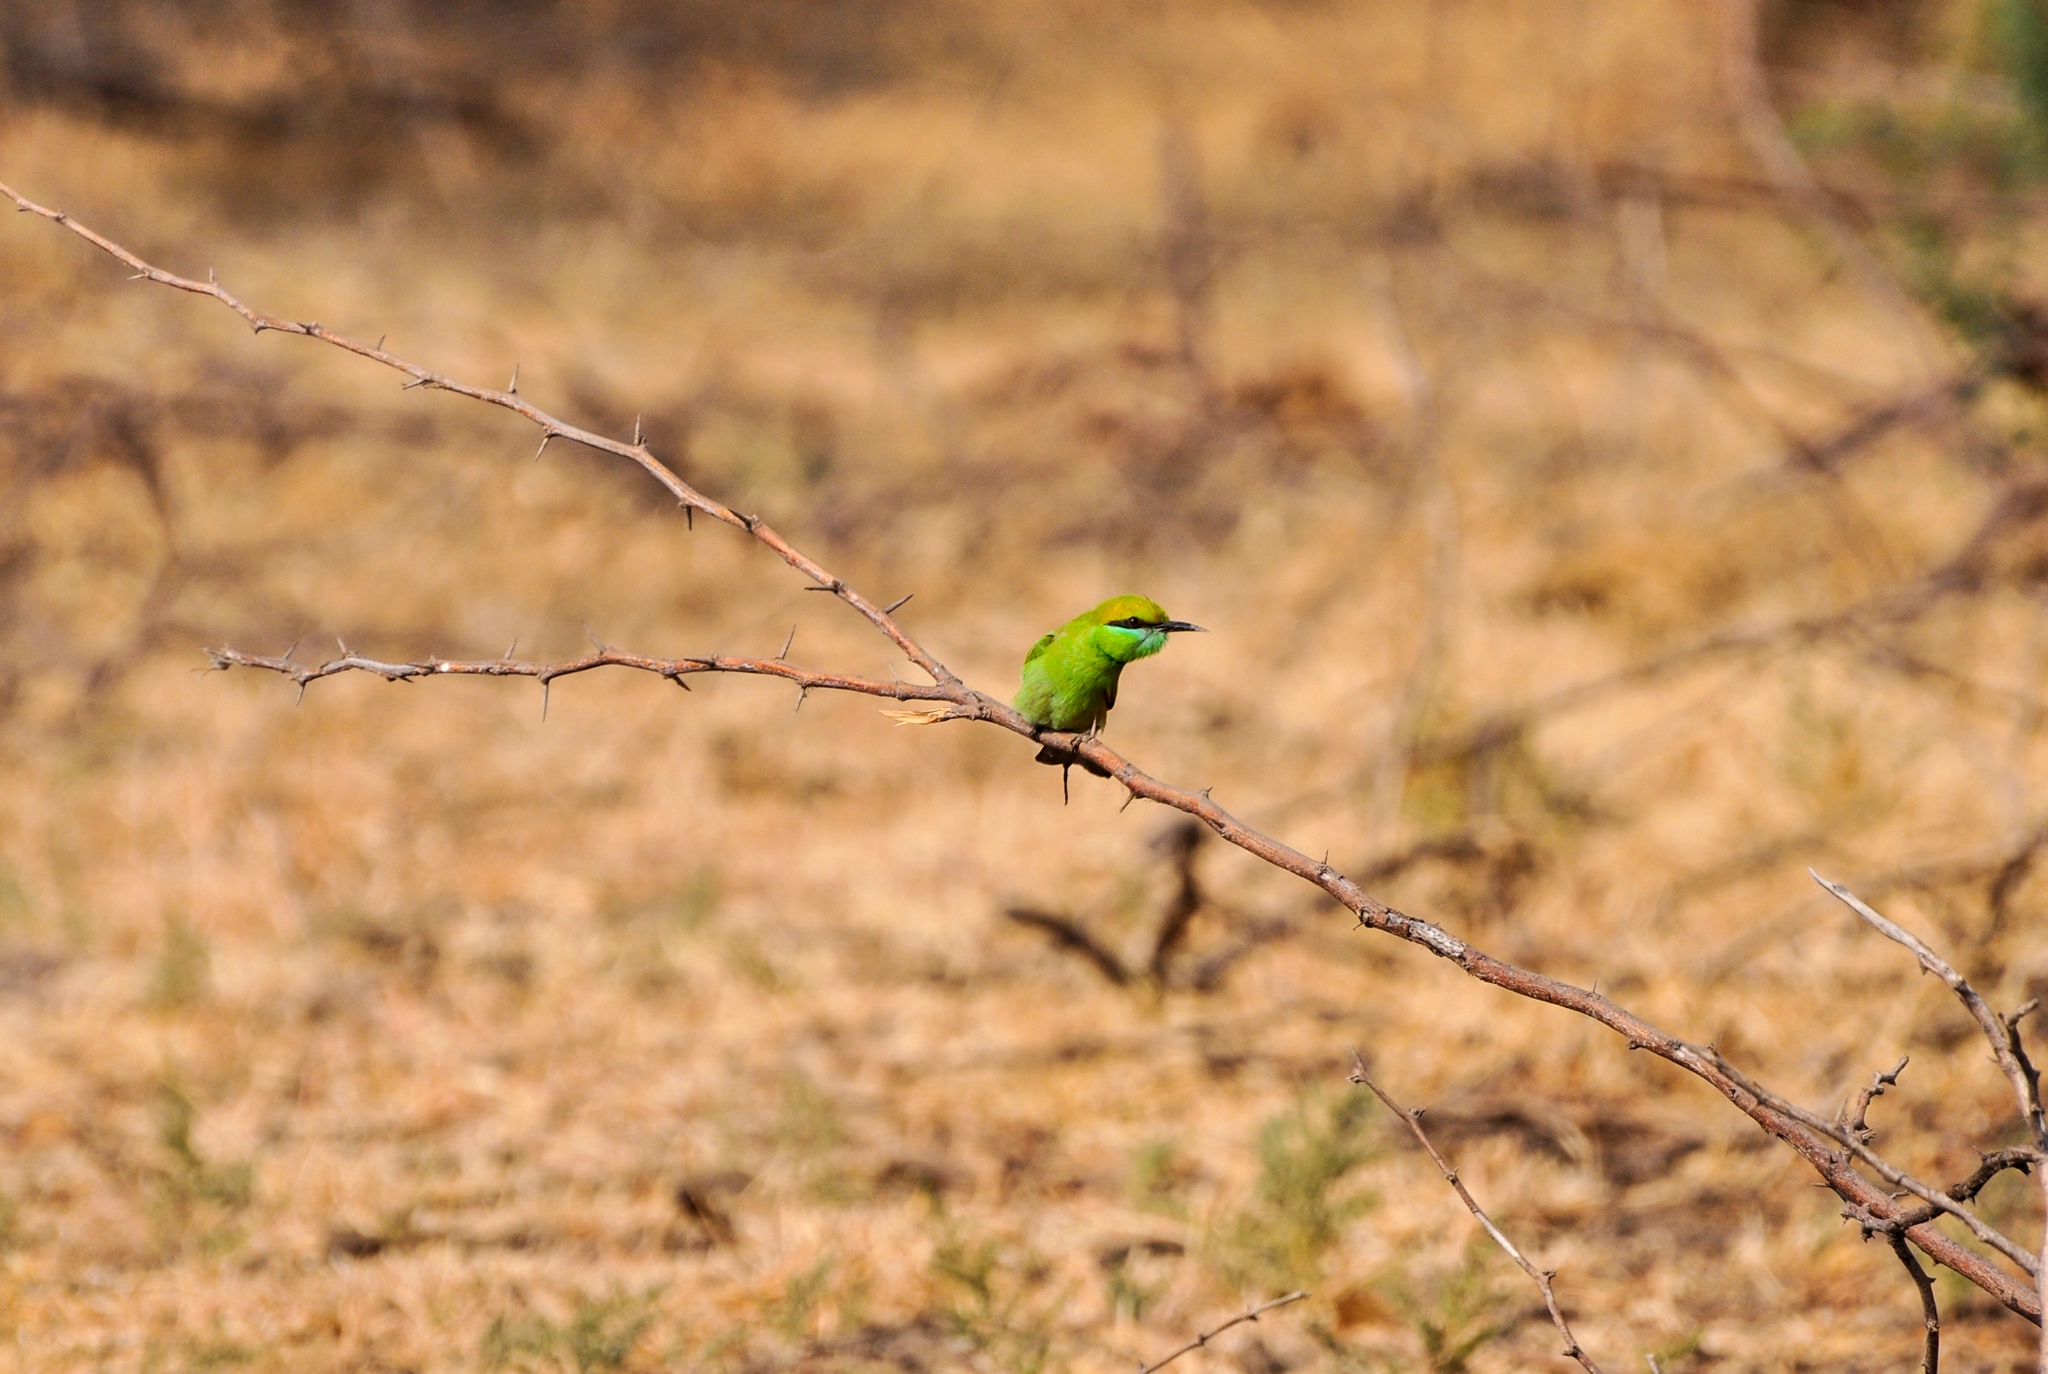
(1070, 675)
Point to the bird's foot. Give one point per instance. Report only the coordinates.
(1070, 758)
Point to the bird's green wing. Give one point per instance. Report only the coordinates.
(1040, 647)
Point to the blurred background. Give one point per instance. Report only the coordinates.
(1605, 438)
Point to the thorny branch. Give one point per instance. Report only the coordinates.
(2003, 1033)
(1814, 1139)
(1198, 1342)
(1540, 1277)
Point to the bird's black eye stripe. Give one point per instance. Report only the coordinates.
(1131, 622)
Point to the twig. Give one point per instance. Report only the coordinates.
(1814, 1145)
(674, 669)
(1930, 1311)
(551, 427)
(1541, 1277)
(1198, 1342)
(1859, 1124)
(2003, 1033)
(1890, 1173)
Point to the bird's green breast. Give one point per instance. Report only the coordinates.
(1070, 675)
(1070, 684)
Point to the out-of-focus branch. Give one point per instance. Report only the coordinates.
(954, 700)
(1749, 95)
(1540, 1277)
(1202, 1340)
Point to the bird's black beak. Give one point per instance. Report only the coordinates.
(1173, 626)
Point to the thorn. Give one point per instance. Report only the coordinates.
(302, 693)
(601, 646)
(689, 517)
(138, 276)
(545, 435)
(821, 587)
(512, 387)
(288, 652)
(545, 685)
(509, 648)
(344, 646)
(801, 693)
(1127, 803)
(417, 381)
(380, 341)
(1065, 796)
(211, 280)
(785, 645)
(897, 605)
(677, 679)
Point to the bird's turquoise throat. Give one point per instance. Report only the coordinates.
(1070, 675)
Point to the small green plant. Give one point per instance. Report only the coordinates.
(991, 1308)
(1301, 1207)
(180, 976)
(1130, 1297)
(15, 907)
(601, 1334)
(696, 901)
(1457, 1315)
(191, 1173)
(808, 1124)
(1158, 1174)
(791, 1314)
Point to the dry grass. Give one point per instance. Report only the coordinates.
(400, 1030)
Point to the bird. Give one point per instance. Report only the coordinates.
(1070, 675)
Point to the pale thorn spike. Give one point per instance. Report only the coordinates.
(512, 387)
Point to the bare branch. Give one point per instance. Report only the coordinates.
(1930, 1311)
(550, 426)
(674, 669)
(1891, 1174)
(1859, 1125)
(2003, 1034)
(1198, 1342)
(1540, 1277)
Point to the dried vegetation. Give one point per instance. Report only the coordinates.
(1592, 540)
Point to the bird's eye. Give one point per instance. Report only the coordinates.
(1130, 622)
